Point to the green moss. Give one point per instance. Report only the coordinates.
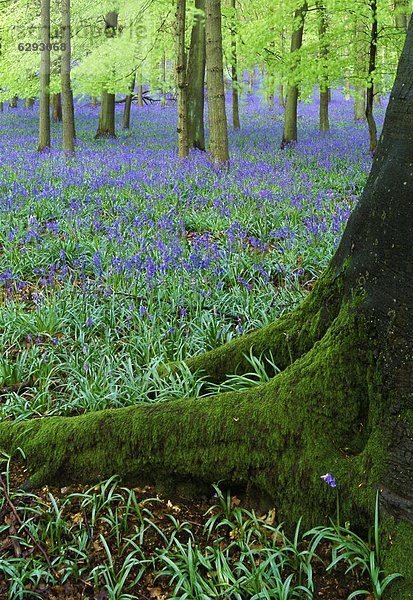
(399, 559)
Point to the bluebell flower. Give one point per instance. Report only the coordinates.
(330, 480)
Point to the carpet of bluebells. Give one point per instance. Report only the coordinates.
(126, 257)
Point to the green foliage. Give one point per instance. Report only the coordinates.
(145, 36)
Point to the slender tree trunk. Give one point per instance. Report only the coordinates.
(106, 127)
(30, 102)
(94, 101)
(1, 106)
(281, 95)
(44, 108)
(401, 13)
(128, 105)
(69, 133)
(218, 129)
(234, 68)
(360, 102)
(163, 69)
(290, 115)
(181, 80)
(324, 50)
(370, 87)
(196, 81)
(57, 108)
(140, 95)
(14, 102)
(347, 88)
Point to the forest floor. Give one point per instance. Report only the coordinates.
(33, 537)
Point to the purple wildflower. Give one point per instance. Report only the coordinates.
(329, 479)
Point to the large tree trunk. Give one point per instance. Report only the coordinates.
(218, 128)
(234, 69)
(370, 86)
(181, 80)
(343, 401)
(196, 80)
(324, 89)
(68, 112)
(291, 105)
(44, 108)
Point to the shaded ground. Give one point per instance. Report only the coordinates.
(16, 541)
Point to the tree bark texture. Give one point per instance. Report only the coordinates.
(128, 105)
(324, 50)
(196, 80)
(106, 127)
(57, 108)
(291, 105)
(370, 85)
(218, 128)
(234, 68)
(181, 79)
(44, 108)
(68, 112)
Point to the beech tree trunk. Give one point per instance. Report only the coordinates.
(68, 111)
(234, 69)
(360, 103)
(30, 102)
(140, 95)
(196, 80)
(218, 128)
(343, 401)
(128, 105)
(14, 102)
(106, 127)
(57, 108)
(324, 89)
(44, 105)
(370, 86)
(290, 115)
(181, 80)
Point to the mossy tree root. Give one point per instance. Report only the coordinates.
(277, 438)
(288, 338)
